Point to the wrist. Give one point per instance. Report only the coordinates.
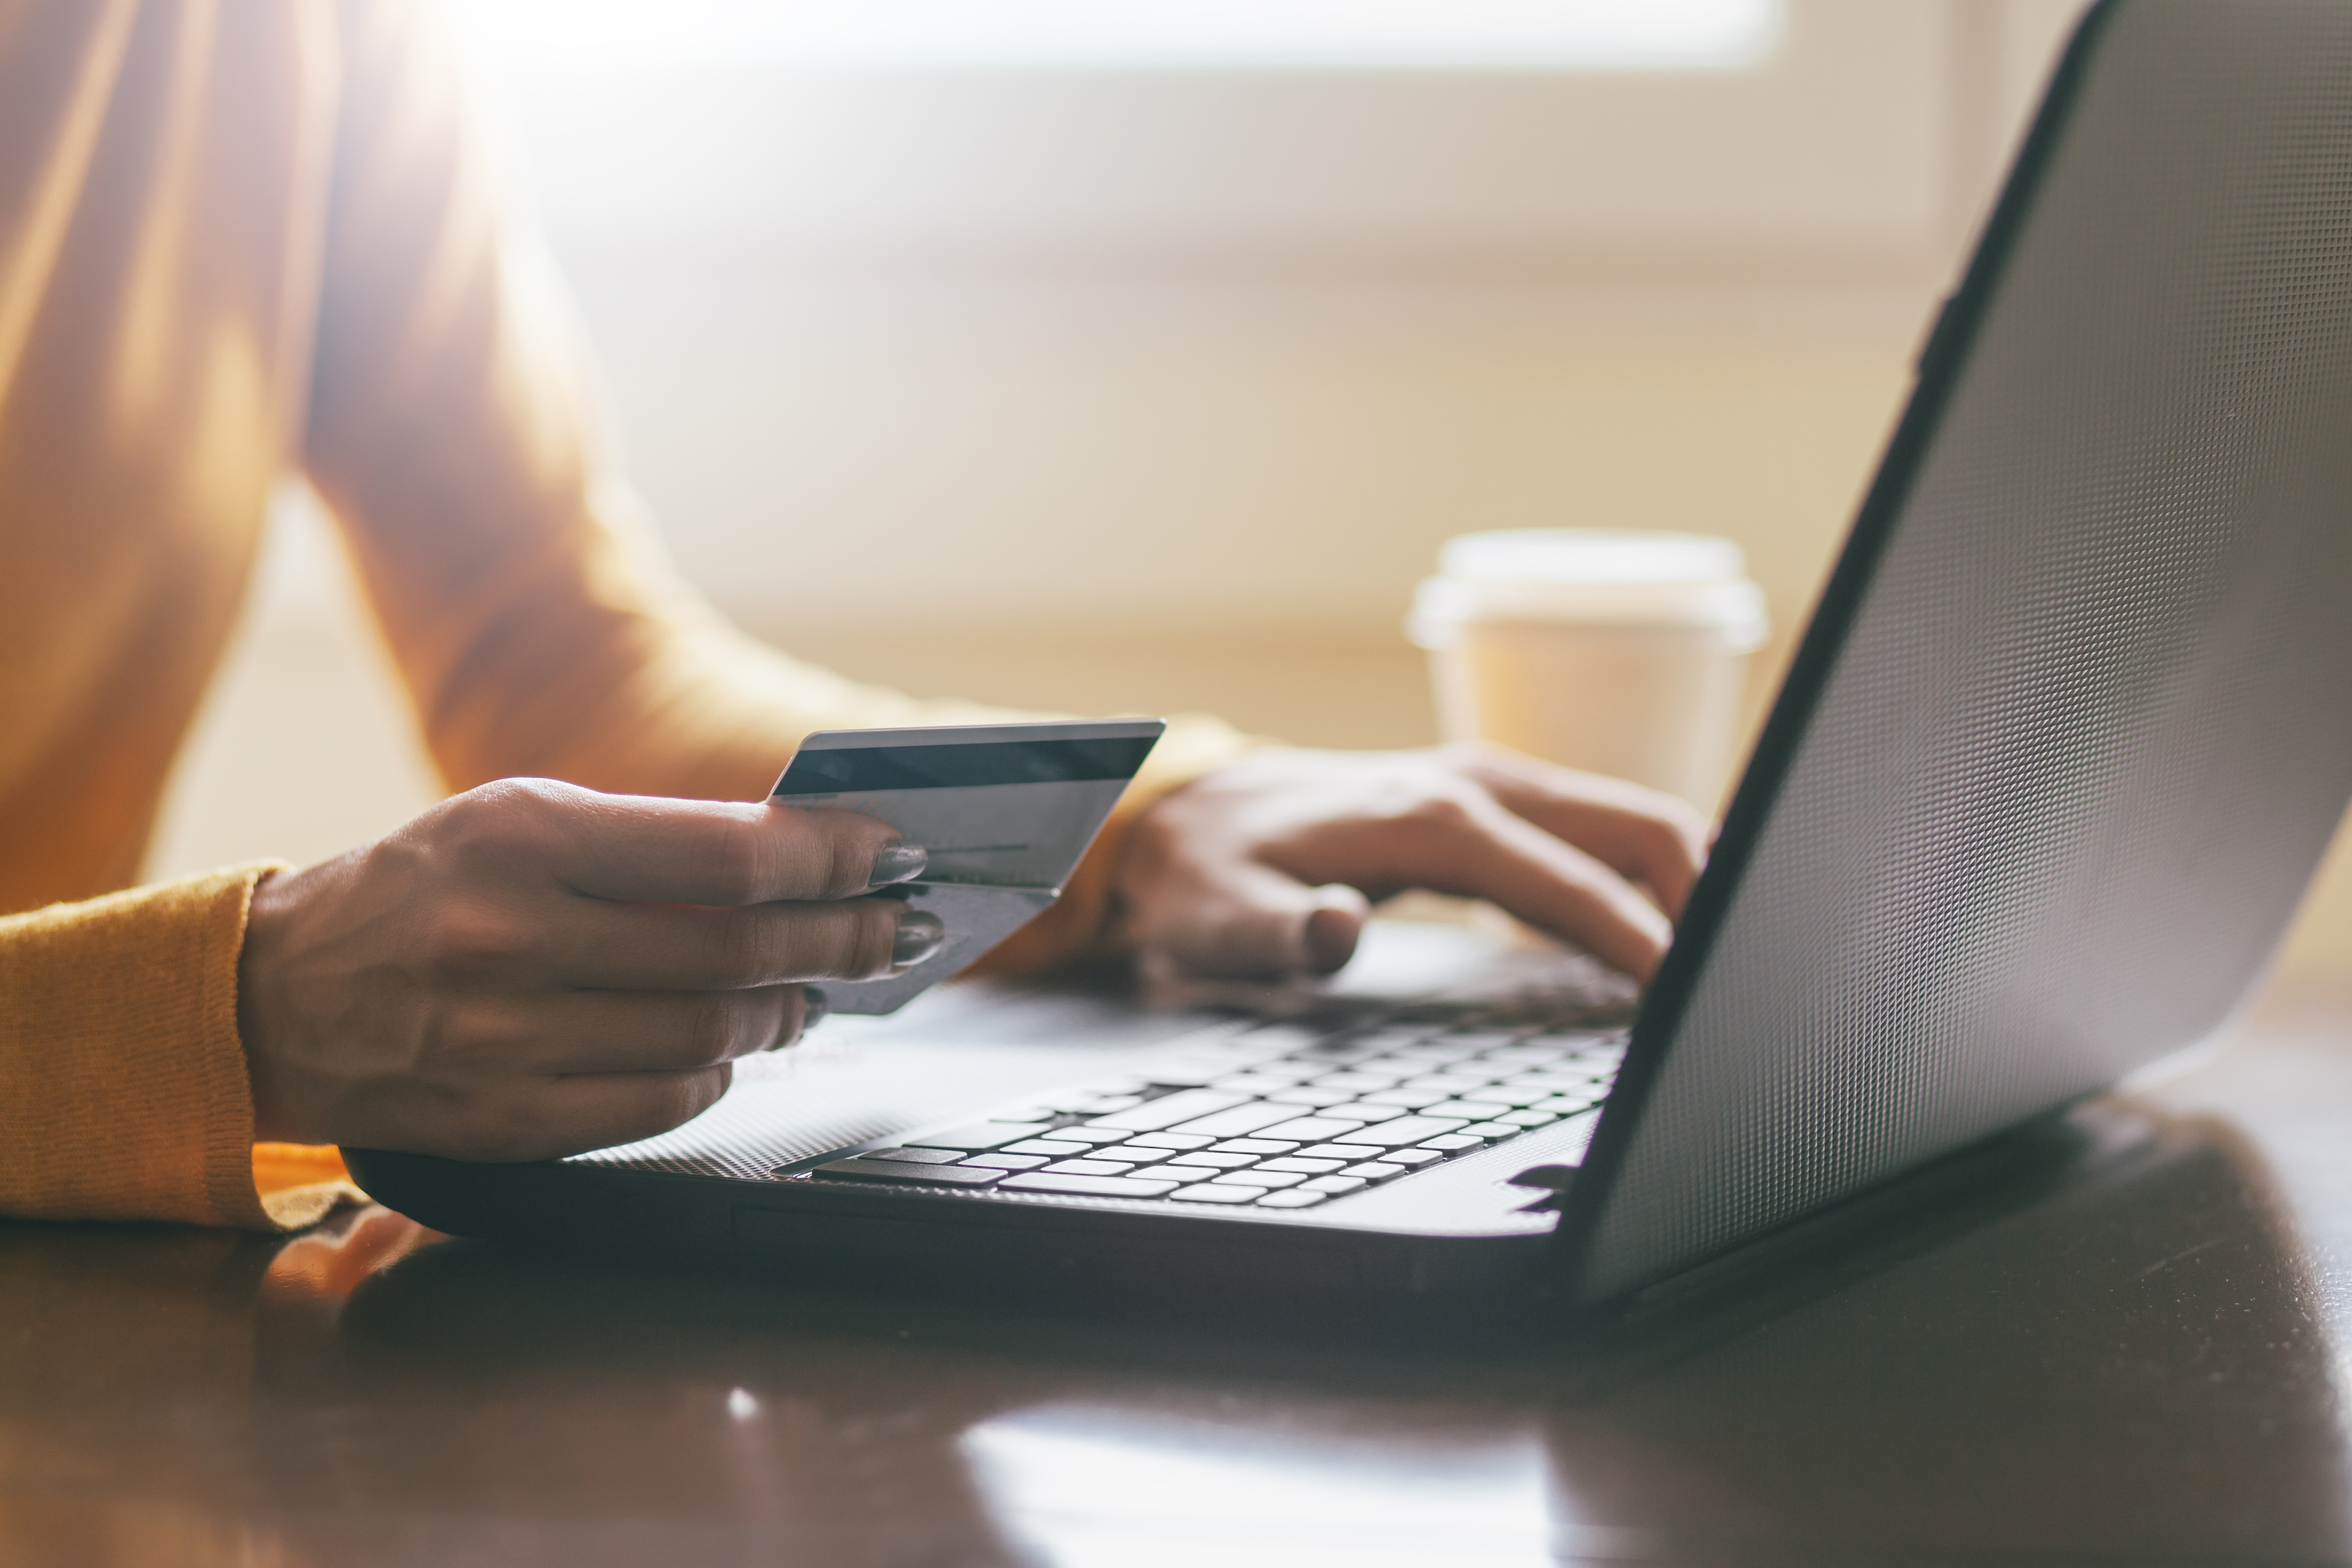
(265, 916)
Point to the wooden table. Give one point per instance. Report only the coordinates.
(2130, 1359)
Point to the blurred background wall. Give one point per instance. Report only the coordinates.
(1095, 378)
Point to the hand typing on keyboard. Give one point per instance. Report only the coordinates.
(1269, 1118)
(1265, 869)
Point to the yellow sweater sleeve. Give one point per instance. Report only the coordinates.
(123, 1083)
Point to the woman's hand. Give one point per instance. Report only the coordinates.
(1266, 868)
(530, 969)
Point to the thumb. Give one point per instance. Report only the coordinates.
(1247, 920)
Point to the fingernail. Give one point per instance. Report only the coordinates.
(896, 862)
(919, 935)
(1331, 940)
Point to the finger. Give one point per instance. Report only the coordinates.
(561, 1032)
(1334, 927)
(1242, 920)
(1482, 850)
(683, 947)
(732, 853)
(1644, 835)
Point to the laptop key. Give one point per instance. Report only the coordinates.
(1184, 1105)
(1410, 1099)
(1309, 1130)
(1300, 1198)
(1551, 1082)
(1359, 1113)
(1434, 1051)
(1002, 1162)
(1592, 1091)
(1217, 1194)
(1305, 1167)
(1088, 1168)
(1395, 1037)
(1280, 1039)
(1412, 1156)
(1089, 1135)
(865, 1167)
(1493, 1132)
(1288, 1071)
(1451, 1143)
(1337, 1053)
(916, 1156)
(980, 1136)
(1086, 1186)
(1052, 1148)
(1501, 1094)
(1356, 1081)
(1335, 1184)
(1565, 1075)
(1573, 1039)
(1531, 1051)
(1254, 1084)
(1312, 1095)
(1170, 1141)
(1346, 1154)
(1240, 1120)
(1450, 1084)
(1251, 1147)
(1374, 1170)
(1261, 1179)
(1530, 1118)
(1393, 1134)
(1483, 1039)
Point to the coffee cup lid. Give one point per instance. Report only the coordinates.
(1618, 578)
(1593, 555)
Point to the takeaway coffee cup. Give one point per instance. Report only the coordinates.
(1622, 652)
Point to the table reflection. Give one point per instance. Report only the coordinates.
(2131, 1364)
(2117, 1353)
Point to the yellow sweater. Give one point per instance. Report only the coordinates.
(239, 238)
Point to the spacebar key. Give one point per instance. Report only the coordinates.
(865, 1168)
(1091, 1187)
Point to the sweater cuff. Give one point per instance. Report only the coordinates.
(124, 1092)
(1082, 926)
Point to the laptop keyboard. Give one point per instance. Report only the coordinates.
(1272, 1117)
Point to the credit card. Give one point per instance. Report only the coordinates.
(1007, 811)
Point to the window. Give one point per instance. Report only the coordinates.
(1343, 35)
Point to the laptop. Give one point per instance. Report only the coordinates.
(2062, 745)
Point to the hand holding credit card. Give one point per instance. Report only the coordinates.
(1005, 812)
